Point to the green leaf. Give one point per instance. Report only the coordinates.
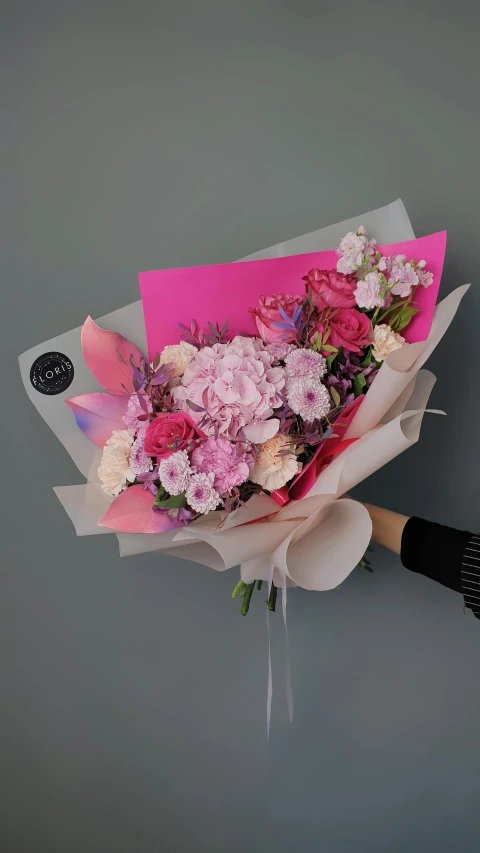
(329, 348)
(330, 359)
(317, 342)
(359, 384)
(405, 316)
(335, 396)
(160, 494)
(368, 359)
(173, 502)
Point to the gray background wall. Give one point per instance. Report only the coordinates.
(140, 135)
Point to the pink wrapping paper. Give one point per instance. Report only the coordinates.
(220, 291)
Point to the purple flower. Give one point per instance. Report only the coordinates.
(344, 377)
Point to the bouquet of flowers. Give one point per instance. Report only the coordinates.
(231, 438)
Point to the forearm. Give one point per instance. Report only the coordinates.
(433, 550)
(387, 527)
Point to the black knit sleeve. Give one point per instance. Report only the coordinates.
(450, 557)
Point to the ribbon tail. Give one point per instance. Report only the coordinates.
(270, 678)
(288, 674)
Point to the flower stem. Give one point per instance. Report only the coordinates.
(272, 597)
(248, 594)
(259, 584)
(237, 589)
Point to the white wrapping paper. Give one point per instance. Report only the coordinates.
(303, 543)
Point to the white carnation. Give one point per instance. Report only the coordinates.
(385, 341)
(114, 471)
(180, 355)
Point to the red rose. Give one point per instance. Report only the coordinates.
(268, 314)
(170, 432)
(349, 329)
(332, 288)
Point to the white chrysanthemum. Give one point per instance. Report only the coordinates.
(114, 472)
(174, 472)
(180, 355)
(201, 495)
(385, 341)
(305, 362)
(308, 398)
(273, 469)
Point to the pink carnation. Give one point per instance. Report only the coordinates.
(235, 384)
(230, 462)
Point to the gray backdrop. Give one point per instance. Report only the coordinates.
(146, 134)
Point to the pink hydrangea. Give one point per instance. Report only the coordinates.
(368, 292)
(230, 462)
(235, 384)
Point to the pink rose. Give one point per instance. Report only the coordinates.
(268, 314)
(349, 329)
(332, 288)
(168, 433)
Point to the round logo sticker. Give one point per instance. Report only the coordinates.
(51, 373)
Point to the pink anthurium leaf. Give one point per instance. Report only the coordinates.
(101, 351)
(132, 512)
(98, 414)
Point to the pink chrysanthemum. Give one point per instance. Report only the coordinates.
(279, 350)
(305, 362)
(308, 398)
(201, 494)
(140, 462)
(174, 472)
(229, 462)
